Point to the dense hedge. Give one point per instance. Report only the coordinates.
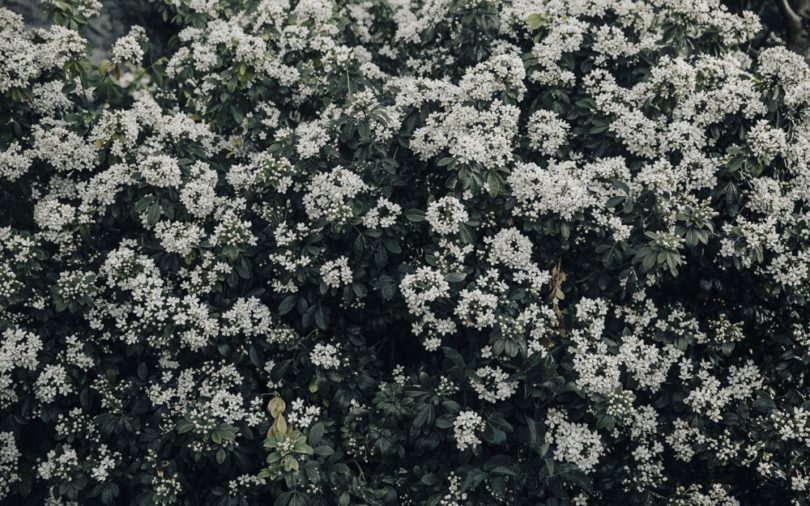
(438, 252)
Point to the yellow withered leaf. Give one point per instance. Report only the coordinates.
(276, 406)
(279, 426)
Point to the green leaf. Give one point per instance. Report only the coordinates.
(321, 317)
(143, 204)
(495, 184)
(184, 426)
(473, 479)
(455, 277)
(216, 437)
(316, 433)
(256, 357)
(579, 478)
(153, 212)
(287, 304)
(415, 215)
(323, 451)
(387, 286)
(425, 415)
(465, 234)
(535, 21)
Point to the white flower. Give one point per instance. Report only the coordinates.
(469, 135)
(465, 427)
(60, 464)
(446, 214)
(556, 189)
(63, 149)
(383, 215)
(311, 138)
(179, 237)
(476, 308)
(52, 382)
(492, 385)
(105, 462)
(510, 248)
(302, 417)
(423, 287)
(263, 171)
(128, 48)
(336, 273)
(249, 317)
(547, 132)
(198, 195)
(9, 462)
(573, 442)
(160, 170)
(19, 350)
(50, 214)
(325, 356)
(232, 230)
(329, 195)
(766, 142)
(15, 161)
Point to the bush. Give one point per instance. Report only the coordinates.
(442, 252)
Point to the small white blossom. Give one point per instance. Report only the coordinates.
(336, 273)
(446, 214)
(325, 356)
(465, 427)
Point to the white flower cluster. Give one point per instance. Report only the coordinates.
(476, 308)
(52, 382)
(264, 171)
(466, 427)
(105, 462)
(301, 416)
(128, 49)
(492, 384)
(63, 149)
(469, 135)
(18, 351)
(547, 132)
(573, 442)
(446, 214)
(420, 289)
(793, 426)
(248, 317)
(87, 8)
(232, 230)
(160, 170)
(325, 356)
(511, 249)
(164, 249)
(710, 397)
(178, 237)
(205, 397)
(26, 59)
(9, 455)
(61, 462)
(766, 142)
(336, 273)
(555, 189)
(329, 195)
(383, 215)
(311, 137)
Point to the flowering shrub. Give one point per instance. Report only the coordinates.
(442, 252)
